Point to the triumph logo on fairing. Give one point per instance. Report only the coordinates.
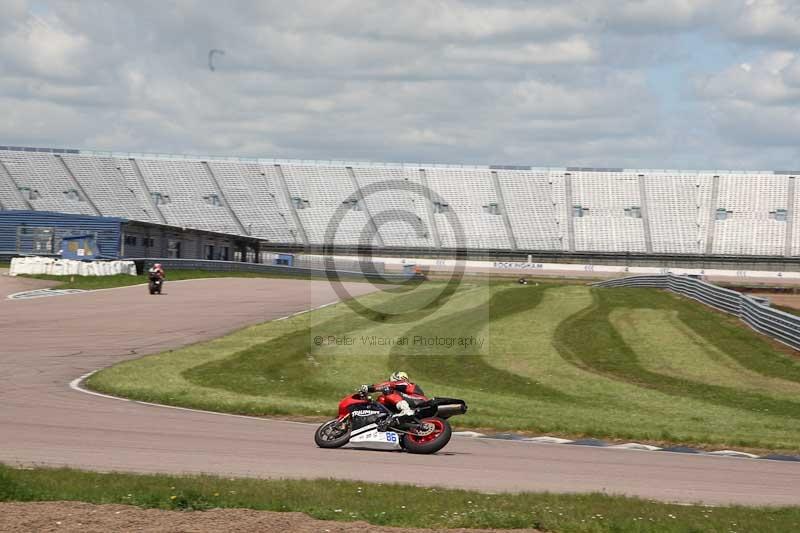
(365, 412)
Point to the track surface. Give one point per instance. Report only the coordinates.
(46, 343)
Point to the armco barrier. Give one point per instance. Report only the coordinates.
(781, 326)
(235, 266)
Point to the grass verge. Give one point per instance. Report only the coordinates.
(379, 504)
(619, 364)
(124, 280)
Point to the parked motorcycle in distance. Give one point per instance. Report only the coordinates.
(364, 421)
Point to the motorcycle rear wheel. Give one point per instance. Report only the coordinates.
(429, 443)
(327, 436)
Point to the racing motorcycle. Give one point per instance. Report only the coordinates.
(155, 283)
(365, 422)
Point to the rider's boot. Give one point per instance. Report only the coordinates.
(403, 409)
(406, 415)
(384, 423)
(403, 418)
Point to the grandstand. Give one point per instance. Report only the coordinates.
(405, 206)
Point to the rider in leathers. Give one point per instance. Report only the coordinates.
(157, 271)
(396, 393)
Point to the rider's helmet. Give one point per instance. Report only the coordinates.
(398, 376)
(157, 266)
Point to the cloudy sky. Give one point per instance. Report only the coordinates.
(638, 83)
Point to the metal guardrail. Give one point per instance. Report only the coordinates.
(338, 263)
(755, 312)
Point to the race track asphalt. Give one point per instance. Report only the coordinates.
(48, 342)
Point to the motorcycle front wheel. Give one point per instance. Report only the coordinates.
(432, 442)
(333, 434)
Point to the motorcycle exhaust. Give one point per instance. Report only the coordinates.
(451, 409)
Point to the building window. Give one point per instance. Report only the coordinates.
(492, 209)
(723, 214)
(30, 194)
(208, 251)
(224, 253)
(779, 215)
(212, 199)
(578, 211)
(35, 239)
(160, 199)
(352, 204)
(633, 212)
(73, 195)
(148, 242)
(300, 203)
(173, 249)
(441, 207)
(130, 240)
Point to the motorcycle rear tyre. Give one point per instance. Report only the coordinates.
(433, 446)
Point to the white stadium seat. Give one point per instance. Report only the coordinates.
(415, 206)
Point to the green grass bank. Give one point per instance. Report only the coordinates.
(378, 503)
(621, 364)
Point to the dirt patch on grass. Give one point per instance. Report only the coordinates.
(89, 518)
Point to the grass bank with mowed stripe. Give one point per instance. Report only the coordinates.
(379, 504)
(570, 360)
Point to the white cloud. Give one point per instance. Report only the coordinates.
(771, 80)
(576, 49)
(664, 15)
(436, 80)
(44, 48)
(757, 106)
(775, 21)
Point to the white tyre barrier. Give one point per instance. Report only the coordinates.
(68, 267)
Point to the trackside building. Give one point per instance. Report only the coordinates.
(48, 234)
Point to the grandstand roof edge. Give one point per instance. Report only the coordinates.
(36, 213)
(322, 162)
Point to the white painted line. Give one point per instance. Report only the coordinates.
(77, 383)
(42, 293)
(548, 440)
(470, 434)
(635, 446)
(733, 453)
